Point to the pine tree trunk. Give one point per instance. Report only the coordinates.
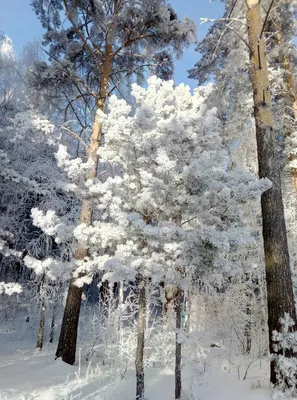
(140, 340)
(42, 309)
(248, 326)
(41, 326)
(178, 346)
(68, 335)
(278, 275)
(248, 311)
(53, 324)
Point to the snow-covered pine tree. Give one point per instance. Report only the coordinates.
(171, 172)
(171, 209)
(105, 43)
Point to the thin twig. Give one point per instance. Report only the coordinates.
(266, 18)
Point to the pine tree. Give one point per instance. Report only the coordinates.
(108, 41)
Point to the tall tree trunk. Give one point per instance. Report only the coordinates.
(121, 293)
(178, 346)
(278, 275)
(248, 311)
(53, 324)
(41, 325)
(42, 309)
(140, 340)
(68, 335)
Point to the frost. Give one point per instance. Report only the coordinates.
(10, 288)
(52, 225)
(286, 365)
(74, 167)
(54, 269)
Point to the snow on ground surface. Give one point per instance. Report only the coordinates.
(27, 374)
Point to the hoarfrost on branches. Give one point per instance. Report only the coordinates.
(285, 340)
(10, 288)
(171, 204)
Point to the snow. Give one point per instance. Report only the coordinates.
(28, 374)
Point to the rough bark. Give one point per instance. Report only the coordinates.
(140, 340)
(178, 346)
(68, 335)
(278, 275)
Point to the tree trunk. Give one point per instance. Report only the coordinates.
(248, 326)
(140, 340)
(41, 326)
(121, 293)
(42, 309)
(278, 275)
(248, 311)
(68, 335)
(178, 346)
(53, 324)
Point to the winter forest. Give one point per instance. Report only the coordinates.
(148, 229)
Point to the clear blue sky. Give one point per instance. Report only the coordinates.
(20, 23)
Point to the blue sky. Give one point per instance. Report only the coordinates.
(19, 22)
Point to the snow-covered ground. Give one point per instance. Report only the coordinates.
(27, 374)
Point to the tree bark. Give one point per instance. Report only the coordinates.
(248, 312)
(178, 346)
(140, 340)
(68, 335)
(278, 275)
(41, 326)
(42, 309)
(53, 324)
